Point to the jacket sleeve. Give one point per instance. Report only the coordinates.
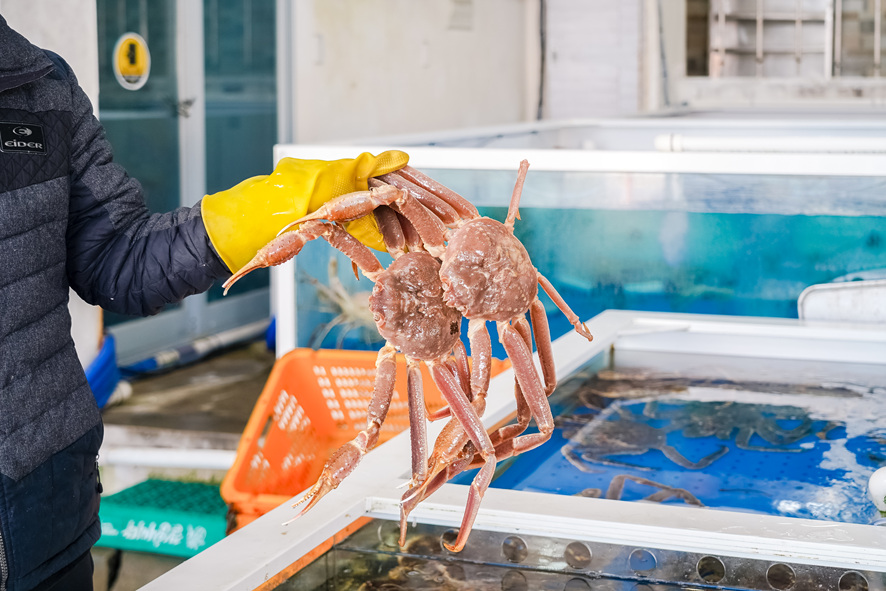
(121, 257)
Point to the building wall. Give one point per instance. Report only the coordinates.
(370, 69)
(67, 27)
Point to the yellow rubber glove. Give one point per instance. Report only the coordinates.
(245, 217)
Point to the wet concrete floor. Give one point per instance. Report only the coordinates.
(213, 395)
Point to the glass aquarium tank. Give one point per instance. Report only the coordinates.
(688, 452)
(712, 436)
(734, 244)
(370, 560)
(780, 437)
(698, 212)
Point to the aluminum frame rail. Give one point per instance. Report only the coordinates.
(739, 163)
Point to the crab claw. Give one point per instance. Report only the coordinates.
(439, 474)
(282, 248)
(313, 496)
(337, 468)
(582, 329)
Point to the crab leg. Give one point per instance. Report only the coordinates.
(345, 459)
(463, 367)
(460, 367)
(481, 351)
(284, 247)
(453, 453)
(524, 414)
(452, 443)
(413, 240)
(468, 417)
(672, 454)
(502, 438)
(542, 333)
(449, 448)
(350, 206)
(530, 385)
(465, 208)
(514, 208)
(418, 430)
(342, 334)
(440, 413)
(574, 320)
(278, 251)
(391, 231)
(426, 224)
(440, 208)
(322, 332)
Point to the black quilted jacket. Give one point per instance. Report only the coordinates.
(71, 217)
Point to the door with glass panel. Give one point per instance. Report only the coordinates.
(204, 120)
(241, 95)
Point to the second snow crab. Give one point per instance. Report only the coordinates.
(602, 438)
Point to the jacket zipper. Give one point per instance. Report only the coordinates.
(4, 568)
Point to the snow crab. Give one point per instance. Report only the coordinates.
(602, 438)
(485, 274)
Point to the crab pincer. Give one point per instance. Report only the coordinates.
(279, 250)
(350, 206)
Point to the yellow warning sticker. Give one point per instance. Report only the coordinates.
(132, 61)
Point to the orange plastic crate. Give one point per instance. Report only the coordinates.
(312, 403)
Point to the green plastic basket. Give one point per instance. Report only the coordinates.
(164, 517)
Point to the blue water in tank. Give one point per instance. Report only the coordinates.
(742, 264)
(746, 451)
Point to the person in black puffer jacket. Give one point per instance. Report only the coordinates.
(71, 217)
(68, 217)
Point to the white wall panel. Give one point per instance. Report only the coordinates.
(365, 69)
(67, 27)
